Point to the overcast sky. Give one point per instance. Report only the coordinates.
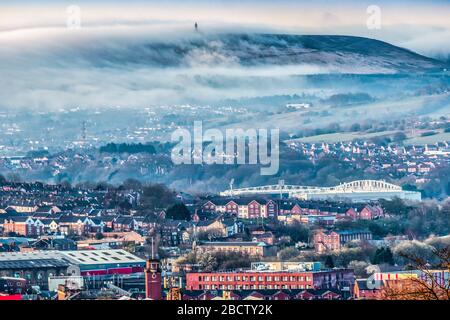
(419, 25)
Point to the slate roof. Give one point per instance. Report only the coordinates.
(32, 264)
(124, 220)
(266, 293)
(44, 208)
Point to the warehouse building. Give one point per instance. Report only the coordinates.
(102, 262)
(36, 267)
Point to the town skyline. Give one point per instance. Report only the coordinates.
(285, 153)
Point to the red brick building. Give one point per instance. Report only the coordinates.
(290, 208)
(263, 236)
(245, 208)
(368, 212)
(267, 280)
(361, 291)
(332, 241)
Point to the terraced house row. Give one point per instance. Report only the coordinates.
(246, 208)
(296, 294)
(253, 207)
(66, 223)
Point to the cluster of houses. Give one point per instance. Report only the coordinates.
(295, 294)
(30, 226)
(50, 220)
(395, 160)
(245, 208)
(35, 209)
(292, 210)
(217, 224)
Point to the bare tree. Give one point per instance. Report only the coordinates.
(431, 283)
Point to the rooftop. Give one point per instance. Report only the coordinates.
(34, 255)
(31, 264)
(100, 256)
(234, 243)
(80, 257)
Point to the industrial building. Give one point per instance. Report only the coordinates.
(102, 262)
(342, 279)
(38, 266)
(35, 267)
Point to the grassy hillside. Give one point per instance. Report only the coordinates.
(418, 140)
(341, 137)
(413, 139)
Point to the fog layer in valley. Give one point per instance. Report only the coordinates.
(52, 68)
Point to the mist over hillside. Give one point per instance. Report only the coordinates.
(95, 89)
(97, 70)
(336, 53)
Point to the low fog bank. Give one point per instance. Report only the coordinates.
(139, 66)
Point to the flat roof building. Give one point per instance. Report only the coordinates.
(37, 266)
(102, 262)
(342, 279)
(34, 267)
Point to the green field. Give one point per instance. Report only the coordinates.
(418, 140)
(350, 136)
